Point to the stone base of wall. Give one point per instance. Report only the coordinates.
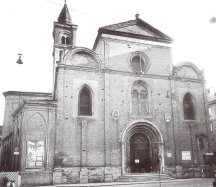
(182, 172)
(85, 175)
(29, 178)
(74, 175)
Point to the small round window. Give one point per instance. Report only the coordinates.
(139, 62)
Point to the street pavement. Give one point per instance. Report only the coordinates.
(172, 183)
(188, 183)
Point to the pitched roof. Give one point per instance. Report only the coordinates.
(64, 16)
(135, 29)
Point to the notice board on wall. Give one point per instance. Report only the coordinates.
(186, 155)
(35, 154)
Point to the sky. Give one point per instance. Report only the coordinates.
(27, 25)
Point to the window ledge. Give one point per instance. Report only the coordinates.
(85, 117)
(192, 122)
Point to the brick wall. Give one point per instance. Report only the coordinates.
(95, 141)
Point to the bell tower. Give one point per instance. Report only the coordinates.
(64, 35)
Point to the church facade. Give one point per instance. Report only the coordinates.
(118, 109)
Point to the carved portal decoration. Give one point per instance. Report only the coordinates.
(142, 142)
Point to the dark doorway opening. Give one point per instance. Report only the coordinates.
(140, 160)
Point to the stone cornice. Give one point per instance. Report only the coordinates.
(8, 137)
(20, 93)
(35, 103)
(130, 35)
(212, 102)
(123, 40)
(133, 35)
(187, 79)
(146, 75)
(60, 25)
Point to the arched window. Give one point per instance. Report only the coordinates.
(201, 143)
(67, 40)
(63, 40)
(139, 98)
(143, 101)
(85, 102)
(188, 104)
(135, 102)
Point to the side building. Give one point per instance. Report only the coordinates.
(212, 113)
(118, 109)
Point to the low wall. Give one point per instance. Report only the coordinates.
(182, 172)
(36, 177)
(85, 175)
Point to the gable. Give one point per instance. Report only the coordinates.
(133, 29)
(137, 29)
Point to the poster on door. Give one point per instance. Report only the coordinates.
(35, 154)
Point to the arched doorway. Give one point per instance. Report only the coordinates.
(140, 160)
(141, 144)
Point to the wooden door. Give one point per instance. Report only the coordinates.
(140, 160)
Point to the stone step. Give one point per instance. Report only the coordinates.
(143, 177)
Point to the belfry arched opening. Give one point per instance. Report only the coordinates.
(142, 148)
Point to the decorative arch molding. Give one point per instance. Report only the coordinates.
(192, 94)
(89, 58)
(87, 86)
(38, 120)
(144, 83)
(189, 92)
(139, 122)
(201, 134)
(151, 131)
(191, 65)
(36, 133)
(66, 33)
(35, 114)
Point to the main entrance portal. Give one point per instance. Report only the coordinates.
(139, 153)
(142, 146)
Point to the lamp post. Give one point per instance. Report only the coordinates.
(212, 20)
(19, 61)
